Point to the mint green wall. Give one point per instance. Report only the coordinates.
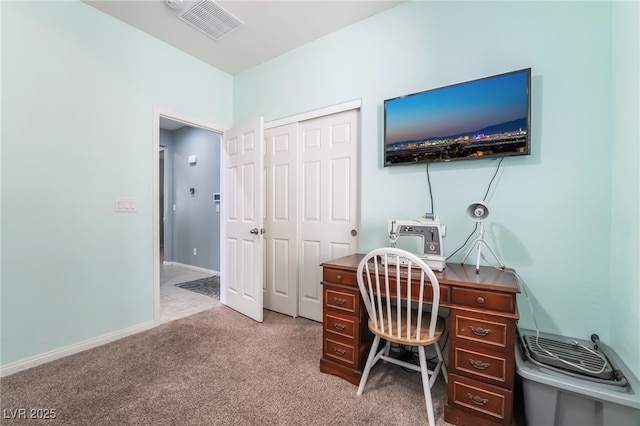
(625, 188)
(78, 92)
(78, 88)
(551, 212)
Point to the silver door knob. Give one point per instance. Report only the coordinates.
(254, 231)
(354, 232)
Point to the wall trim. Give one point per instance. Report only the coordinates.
(193, 268)
(55, 354)
(333, 109)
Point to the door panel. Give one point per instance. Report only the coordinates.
(281, 264)
(242, 204)
(311, 192)
(310, 290)
(340, 172)
(328, 199)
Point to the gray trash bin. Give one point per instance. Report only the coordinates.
(552, 398)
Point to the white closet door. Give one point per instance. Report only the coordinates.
(328, 201)
(281, 254)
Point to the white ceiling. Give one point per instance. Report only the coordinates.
(271, 27)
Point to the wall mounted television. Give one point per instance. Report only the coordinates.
(484, 118)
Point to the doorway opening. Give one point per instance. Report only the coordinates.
(186, 175)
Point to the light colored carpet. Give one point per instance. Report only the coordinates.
(216, 368)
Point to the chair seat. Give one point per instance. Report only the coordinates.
(422, 340)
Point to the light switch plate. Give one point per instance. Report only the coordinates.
(126, 205)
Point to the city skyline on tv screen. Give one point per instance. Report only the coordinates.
(485, 117)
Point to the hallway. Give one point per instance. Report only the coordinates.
(175, 302)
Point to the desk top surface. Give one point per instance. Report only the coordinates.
(487, 277)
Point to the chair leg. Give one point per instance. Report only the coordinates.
(387, 348)
(369, 364)
(426, 386)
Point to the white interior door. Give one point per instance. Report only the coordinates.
(242, 227)
(281, 183)
(328, 201)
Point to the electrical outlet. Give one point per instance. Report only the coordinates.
(195, 252)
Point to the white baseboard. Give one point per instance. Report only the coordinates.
(14, 367)
(193, 268)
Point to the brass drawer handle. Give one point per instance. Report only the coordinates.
(480, 300)
(339, 351)
(477, 400)
(479, 365)
(339, 326)
(339, 277)
(340, 300)
(479, 331)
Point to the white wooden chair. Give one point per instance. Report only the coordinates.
(395, 288)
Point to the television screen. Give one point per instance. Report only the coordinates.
(484, 118)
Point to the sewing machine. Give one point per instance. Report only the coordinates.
(431, 232)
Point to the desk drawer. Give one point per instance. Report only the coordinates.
(485, 329)
(483, 300)
(484, 400)
(343, 300)
(338, 276)
(341, 352)
(339, 325)
(494, 367)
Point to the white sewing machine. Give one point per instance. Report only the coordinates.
(431, 232)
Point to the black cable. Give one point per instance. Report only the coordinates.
(444, 345)
(415, 357)
(465, 243)
(475, 228)
(494, 176)
(429, 186)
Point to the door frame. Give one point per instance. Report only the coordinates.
(155, 155)
(332, 109)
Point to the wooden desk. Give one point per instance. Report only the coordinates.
(481, 325)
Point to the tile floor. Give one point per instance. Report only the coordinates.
(175, 302)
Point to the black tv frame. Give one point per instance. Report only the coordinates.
(463, 145)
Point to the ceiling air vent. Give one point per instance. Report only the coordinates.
(210, 18)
